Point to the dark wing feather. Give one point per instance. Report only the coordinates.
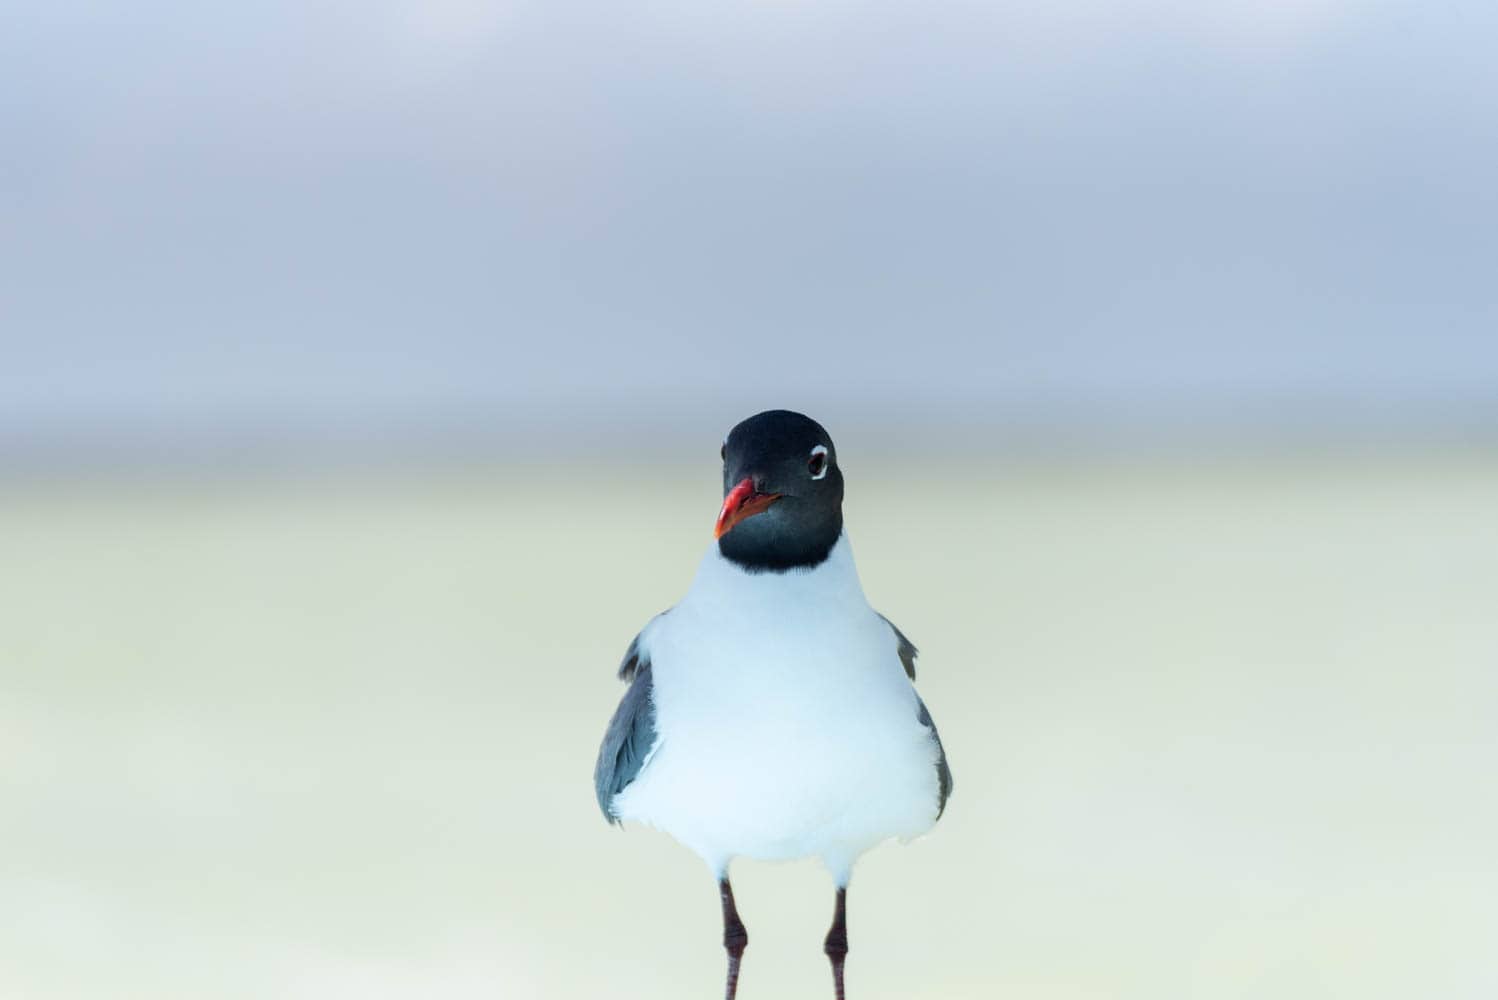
(626, 743)
(943, 772)
(631, 734)
(632, 656)
(908, 653)
(631, 661)
(907, 649)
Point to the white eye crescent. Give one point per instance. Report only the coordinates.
(817, 463)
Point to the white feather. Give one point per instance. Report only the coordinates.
(786, 726)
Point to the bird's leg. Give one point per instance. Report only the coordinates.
(735, 937)
(836, 945)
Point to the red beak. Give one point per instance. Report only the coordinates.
(742, 502)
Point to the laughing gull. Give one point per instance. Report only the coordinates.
(771, 714)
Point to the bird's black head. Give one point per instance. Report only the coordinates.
(782, 493)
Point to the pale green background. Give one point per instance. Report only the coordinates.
(1219, 729)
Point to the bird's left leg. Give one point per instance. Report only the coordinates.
(836, 945)
(735, 937)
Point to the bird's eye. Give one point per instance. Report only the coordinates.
(723, 451)
(817, 464)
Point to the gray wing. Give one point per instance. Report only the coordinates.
(631, 734)
(943, 772)
(908, 653)
(907, 649)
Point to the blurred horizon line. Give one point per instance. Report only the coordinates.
(489, 435)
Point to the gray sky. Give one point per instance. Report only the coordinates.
(345, 223)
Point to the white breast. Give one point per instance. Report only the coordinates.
(786, 725)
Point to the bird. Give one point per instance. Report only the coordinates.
(771, 713)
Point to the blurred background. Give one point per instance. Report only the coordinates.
(362, 375)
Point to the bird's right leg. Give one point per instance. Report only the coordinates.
(836, 945)
(735, 937)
